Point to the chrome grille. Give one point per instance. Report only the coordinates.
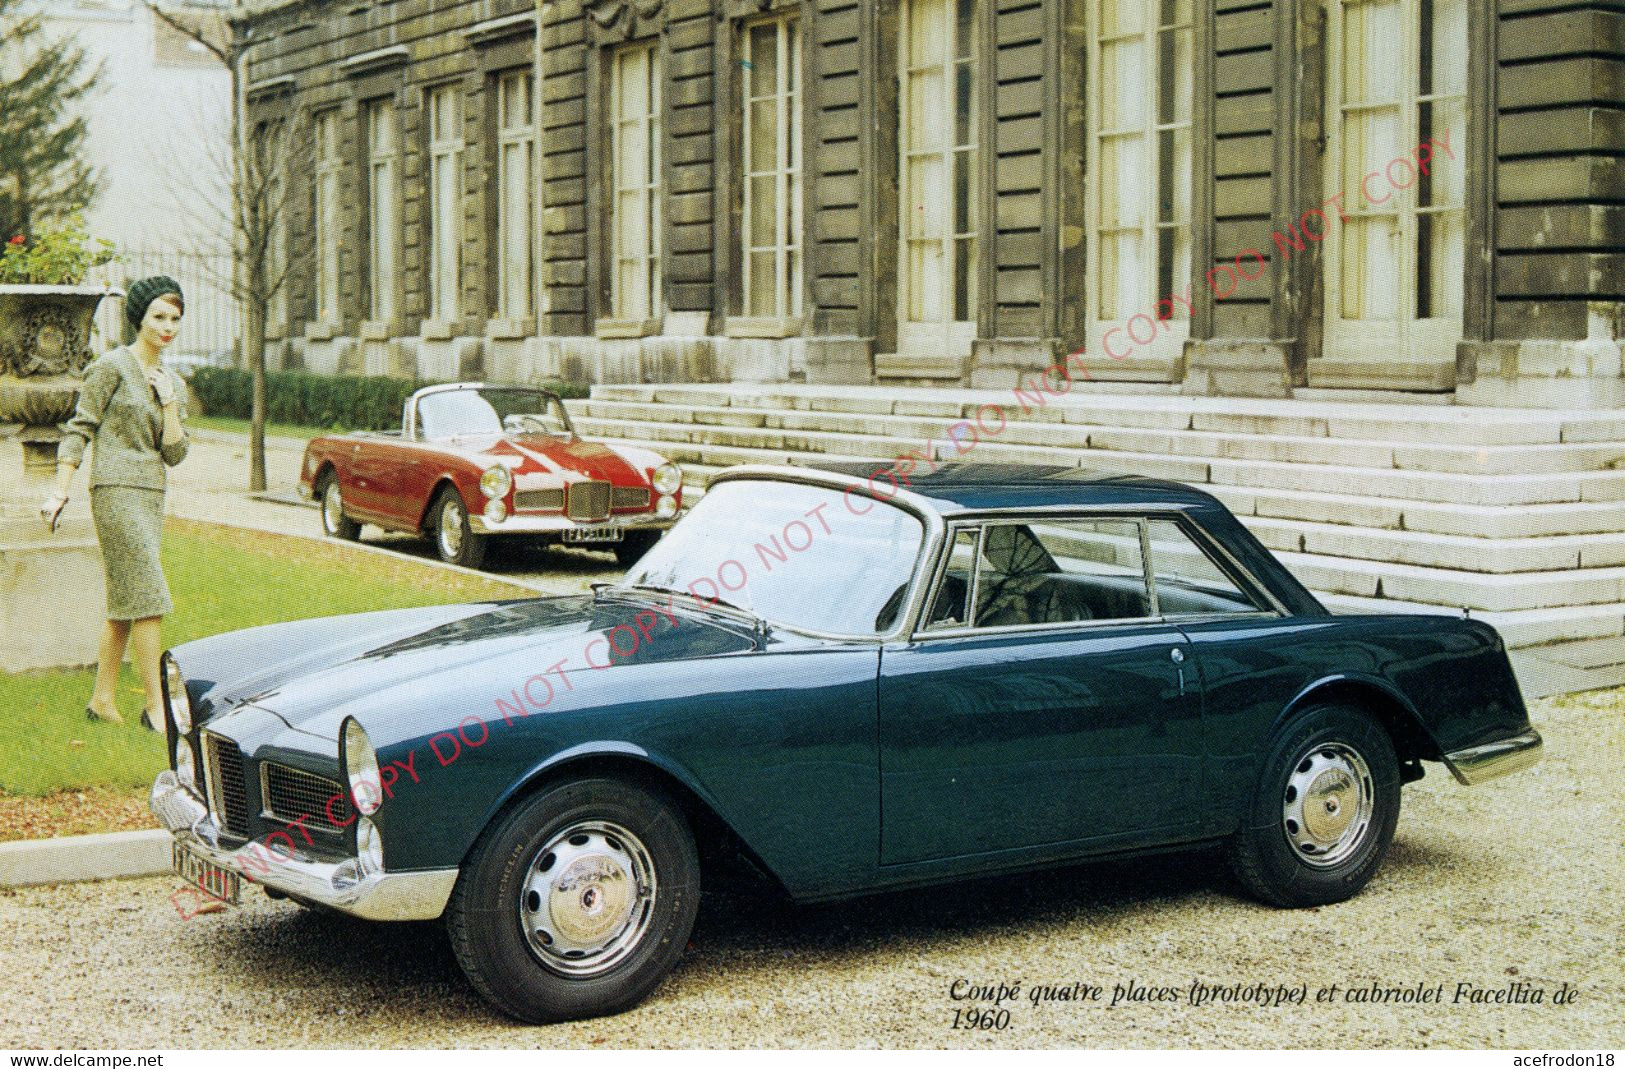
(530, 500)
(587, 500)
(631, 497)
(228, 789)
(292, 794)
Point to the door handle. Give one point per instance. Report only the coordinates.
(1177, 655)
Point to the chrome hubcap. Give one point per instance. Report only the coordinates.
(588, 898)
(1326, 812)
(451, 529)
(332, 507)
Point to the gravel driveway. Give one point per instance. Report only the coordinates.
(1512, 888)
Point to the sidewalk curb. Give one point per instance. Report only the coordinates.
(77, 858)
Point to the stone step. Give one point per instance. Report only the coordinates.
(1388, 483)
(1383, 513)
(1459, 459)
(1479, 591)
(1460, 425)
(1425, 549)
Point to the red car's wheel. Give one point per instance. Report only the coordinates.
(335, 524)
(453, 539)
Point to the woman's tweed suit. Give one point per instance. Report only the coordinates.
(118, 411)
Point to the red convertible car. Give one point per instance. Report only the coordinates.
(473, 461)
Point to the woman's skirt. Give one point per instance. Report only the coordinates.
(130, 527)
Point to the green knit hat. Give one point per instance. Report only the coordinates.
(143, 292)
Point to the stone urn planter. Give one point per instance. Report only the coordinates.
(44, 347)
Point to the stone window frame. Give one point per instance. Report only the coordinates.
(439, 321)
(506, 320)
(327, 239)
(504, 46)
(383, 303)
(959, 335)
(1168, 345)
(613, 25)
(735, 19)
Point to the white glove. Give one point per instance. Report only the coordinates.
(162, 387)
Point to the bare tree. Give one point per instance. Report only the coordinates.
(251, 184)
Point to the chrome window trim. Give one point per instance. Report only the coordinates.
(1143, 516)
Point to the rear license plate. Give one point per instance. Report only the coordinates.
(592, 534)
(208, 877)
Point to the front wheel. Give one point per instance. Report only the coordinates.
(1324, 810)
(454, 540)
(577, 902)
(335, 524)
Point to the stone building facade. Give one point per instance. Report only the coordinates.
(1248, 197)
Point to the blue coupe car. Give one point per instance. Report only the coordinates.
(859, 677)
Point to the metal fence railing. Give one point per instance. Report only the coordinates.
(213, 318)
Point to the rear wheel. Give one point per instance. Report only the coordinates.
(453, 539)
(335, 524)
(1324, 811)
(577, 902)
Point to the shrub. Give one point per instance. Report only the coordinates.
(333, 402)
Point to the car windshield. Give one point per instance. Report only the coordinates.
(491, 411)
(805, 557)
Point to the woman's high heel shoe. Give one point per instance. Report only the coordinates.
(106, 718)
(147, 721)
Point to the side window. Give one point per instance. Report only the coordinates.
(1061, 571)
(1187, 579)
(951, 606)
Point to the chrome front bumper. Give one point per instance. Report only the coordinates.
(389, 896)
(1476, 764)
(557, 523)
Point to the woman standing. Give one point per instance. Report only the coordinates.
(133, 408)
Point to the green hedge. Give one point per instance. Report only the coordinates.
(338, 402)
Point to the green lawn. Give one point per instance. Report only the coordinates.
(221, 579)
(274, 430)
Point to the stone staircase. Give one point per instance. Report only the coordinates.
(1515, 514)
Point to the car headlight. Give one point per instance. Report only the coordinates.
(666, 507)
(369, 846)
(180, 706)
(361, 768)
(496, 481)
(185, 766)
(668, 479)
(495, 510)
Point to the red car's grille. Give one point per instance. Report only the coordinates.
(587, 500)
(631, 497)
(535, 500)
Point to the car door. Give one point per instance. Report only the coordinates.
(1041, 701)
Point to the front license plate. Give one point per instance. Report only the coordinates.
(208, 877)
(592, 534)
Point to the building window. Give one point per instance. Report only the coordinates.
(445, 201)
(771, 239)
(272, 182)
(634, 169)
(1141, 146)
(938, 135)
(516, 199)
(1398, 71)
(383, 226)
(329, 166)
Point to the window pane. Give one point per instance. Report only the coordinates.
(763, 212)
(1065, 571)
(951, 606)
(1187, 579)
(1370, 268)
(764, 59)
(762, 293)
(764, 134)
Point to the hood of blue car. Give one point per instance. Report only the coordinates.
(433, 661)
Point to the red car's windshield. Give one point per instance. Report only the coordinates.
(454, 413)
